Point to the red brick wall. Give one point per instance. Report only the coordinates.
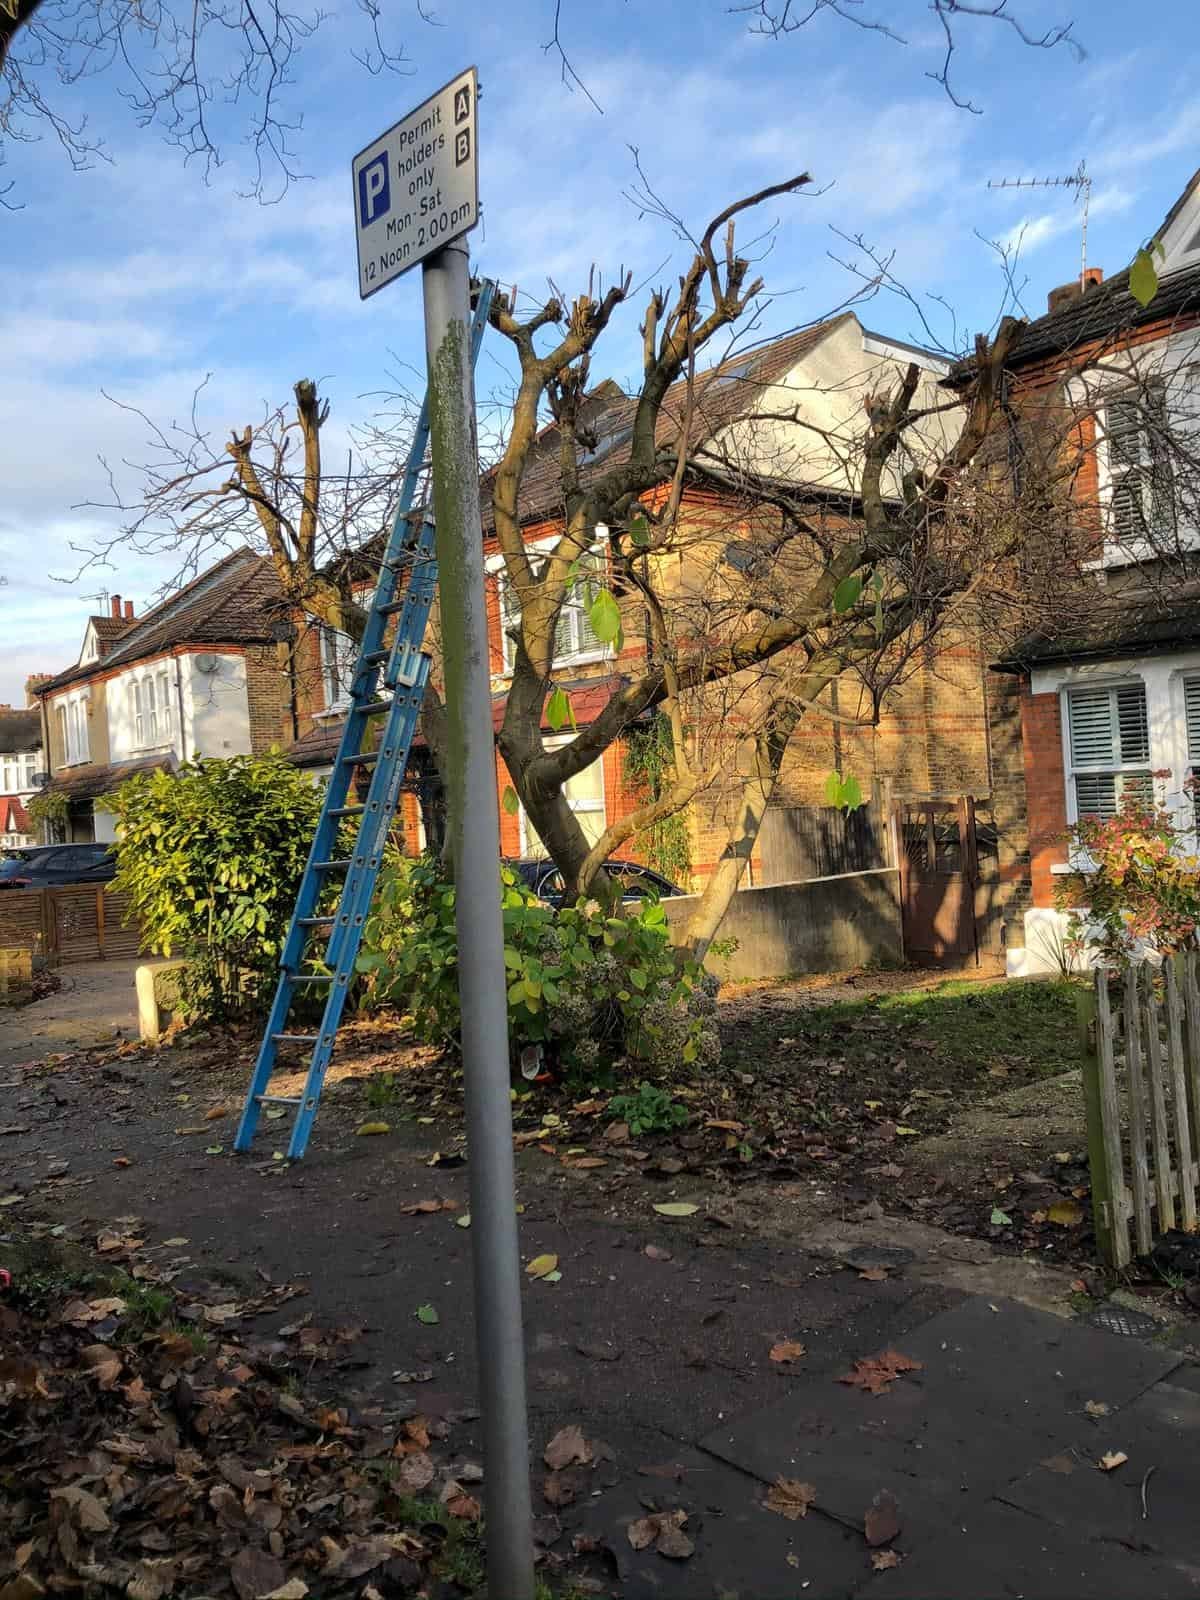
(1045, 788)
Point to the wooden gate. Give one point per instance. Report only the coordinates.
(939, 874)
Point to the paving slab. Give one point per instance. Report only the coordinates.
(1159, 1432)
(991, 1550)
(741, 1548)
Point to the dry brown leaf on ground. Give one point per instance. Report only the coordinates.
(1111, 1460)
(415, 1473)
(567, 1448)
(787, 1351)
(663, 1530)
(790, 1498)
(874, 1274)
(103, 1363)
(881, 1521)
(876, 1374)
(1097, 1408)
(884, 1560)
(560, 1488)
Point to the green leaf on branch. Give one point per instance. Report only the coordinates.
(852, 796)
(509, 800)
(1143, 276)
(605, 617)
(639, 532)
(833, 789)
(847, 593)
(558, 709)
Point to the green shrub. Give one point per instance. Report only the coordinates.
(211, 858)
(591, 988)
(648, 1110)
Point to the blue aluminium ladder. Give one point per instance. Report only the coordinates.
(403, 668)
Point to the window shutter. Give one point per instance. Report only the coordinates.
(1191, 701)
(1132, 724)
(1162, 476)
(1127, 457)
(1089, 714)
(1096, 794)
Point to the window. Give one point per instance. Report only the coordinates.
(575, 638)
(1109, 746)
(585, 796)
(73, 730)
(339, 657)
(1191, 709)
(1139, 467)
(150, 697)
(31, 769)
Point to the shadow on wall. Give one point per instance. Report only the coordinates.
(824, 925)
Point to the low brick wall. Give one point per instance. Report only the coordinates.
(823, 925)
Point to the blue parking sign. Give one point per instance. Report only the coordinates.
(374, 191)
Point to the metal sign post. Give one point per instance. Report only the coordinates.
(415, 194)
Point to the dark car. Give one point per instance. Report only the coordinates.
(48, 866)
(637, 882)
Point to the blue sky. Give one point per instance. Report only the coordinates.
(139, 278)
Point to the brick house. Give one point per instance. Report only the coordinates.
(201, 674)
(1080, 714)
(21, 761)
(766, 405)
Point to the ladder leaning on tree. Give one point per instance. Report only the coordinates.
(402, 668)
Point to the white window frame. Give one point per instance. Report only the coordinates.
(1118, 768)
(150, 708)
(339, 657)
(72, 714)
(31, 767)
(531, 844)
(571, 613)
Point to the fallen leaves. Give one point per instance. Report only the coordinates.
(881, 1521)
(663, 1530)
(1065, 1213)
(790, 1498)
(676, 1208)
(542, 1266)
(885, 1560)
(428, 1315)
(366, 1129)
(425, 1208)
(1097, 1408)
(876, 1374)
(1111, 1460)
(786, 1351)
(567, 1448)
(875, 1274)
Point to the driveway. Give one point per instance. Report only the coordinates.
(96, 1004)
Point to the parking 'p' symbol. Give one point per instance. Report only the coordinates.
(374, 191)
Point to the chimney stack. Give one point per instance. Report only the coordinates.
(129, 611)
(1062, 296)
(116, 607)
(33, 683)
(1092, 276)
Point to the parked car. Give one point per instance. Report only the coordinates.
(637, 882)
(48, 866)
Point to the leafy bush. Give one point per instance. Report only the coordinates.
(1145, 886)
(591, 988)
(211, 858)
(648, 1110)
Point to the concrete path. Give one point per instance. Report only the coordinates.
(97, 1002)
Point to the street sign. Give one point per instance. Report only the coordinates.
(417, 186)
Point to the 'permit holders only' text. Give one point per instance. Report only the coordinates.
(417, 186)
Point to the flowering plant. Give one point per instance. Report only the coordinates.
(1142, 887)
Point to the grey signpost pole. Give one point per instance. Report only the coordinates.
(474, 822)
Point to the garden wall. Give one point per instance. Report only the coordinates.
(824, 925)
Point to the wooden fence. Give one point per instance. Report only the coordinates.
(799, 843)
(81, 922)
(1142, 1086)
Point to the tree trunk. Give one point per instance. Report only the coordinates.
(769, 748)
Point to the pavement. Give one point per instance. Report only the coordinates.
(96, 1003)
(657, 1343)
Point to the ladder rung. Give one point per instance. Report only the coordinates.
(311, 977)
(330, 866)
(296, 1038)
(363, 759)
(374, 707)
(317, 922)
(374, 657)
(338, 811)
(392, 607)
(278, 1100)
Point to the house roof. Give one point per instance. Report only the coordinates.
(722, 394)
(1102, 312)
(13, 816)
(90, 781)
(232, 603)
(20, 730)
(1130, 622)
(108, 630)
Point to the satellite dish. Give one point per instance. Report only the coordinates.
(208, 664)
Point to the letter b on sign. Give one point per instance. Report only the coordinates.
(374, 191)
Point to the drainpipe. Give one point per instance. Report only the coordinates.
(179, 698)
